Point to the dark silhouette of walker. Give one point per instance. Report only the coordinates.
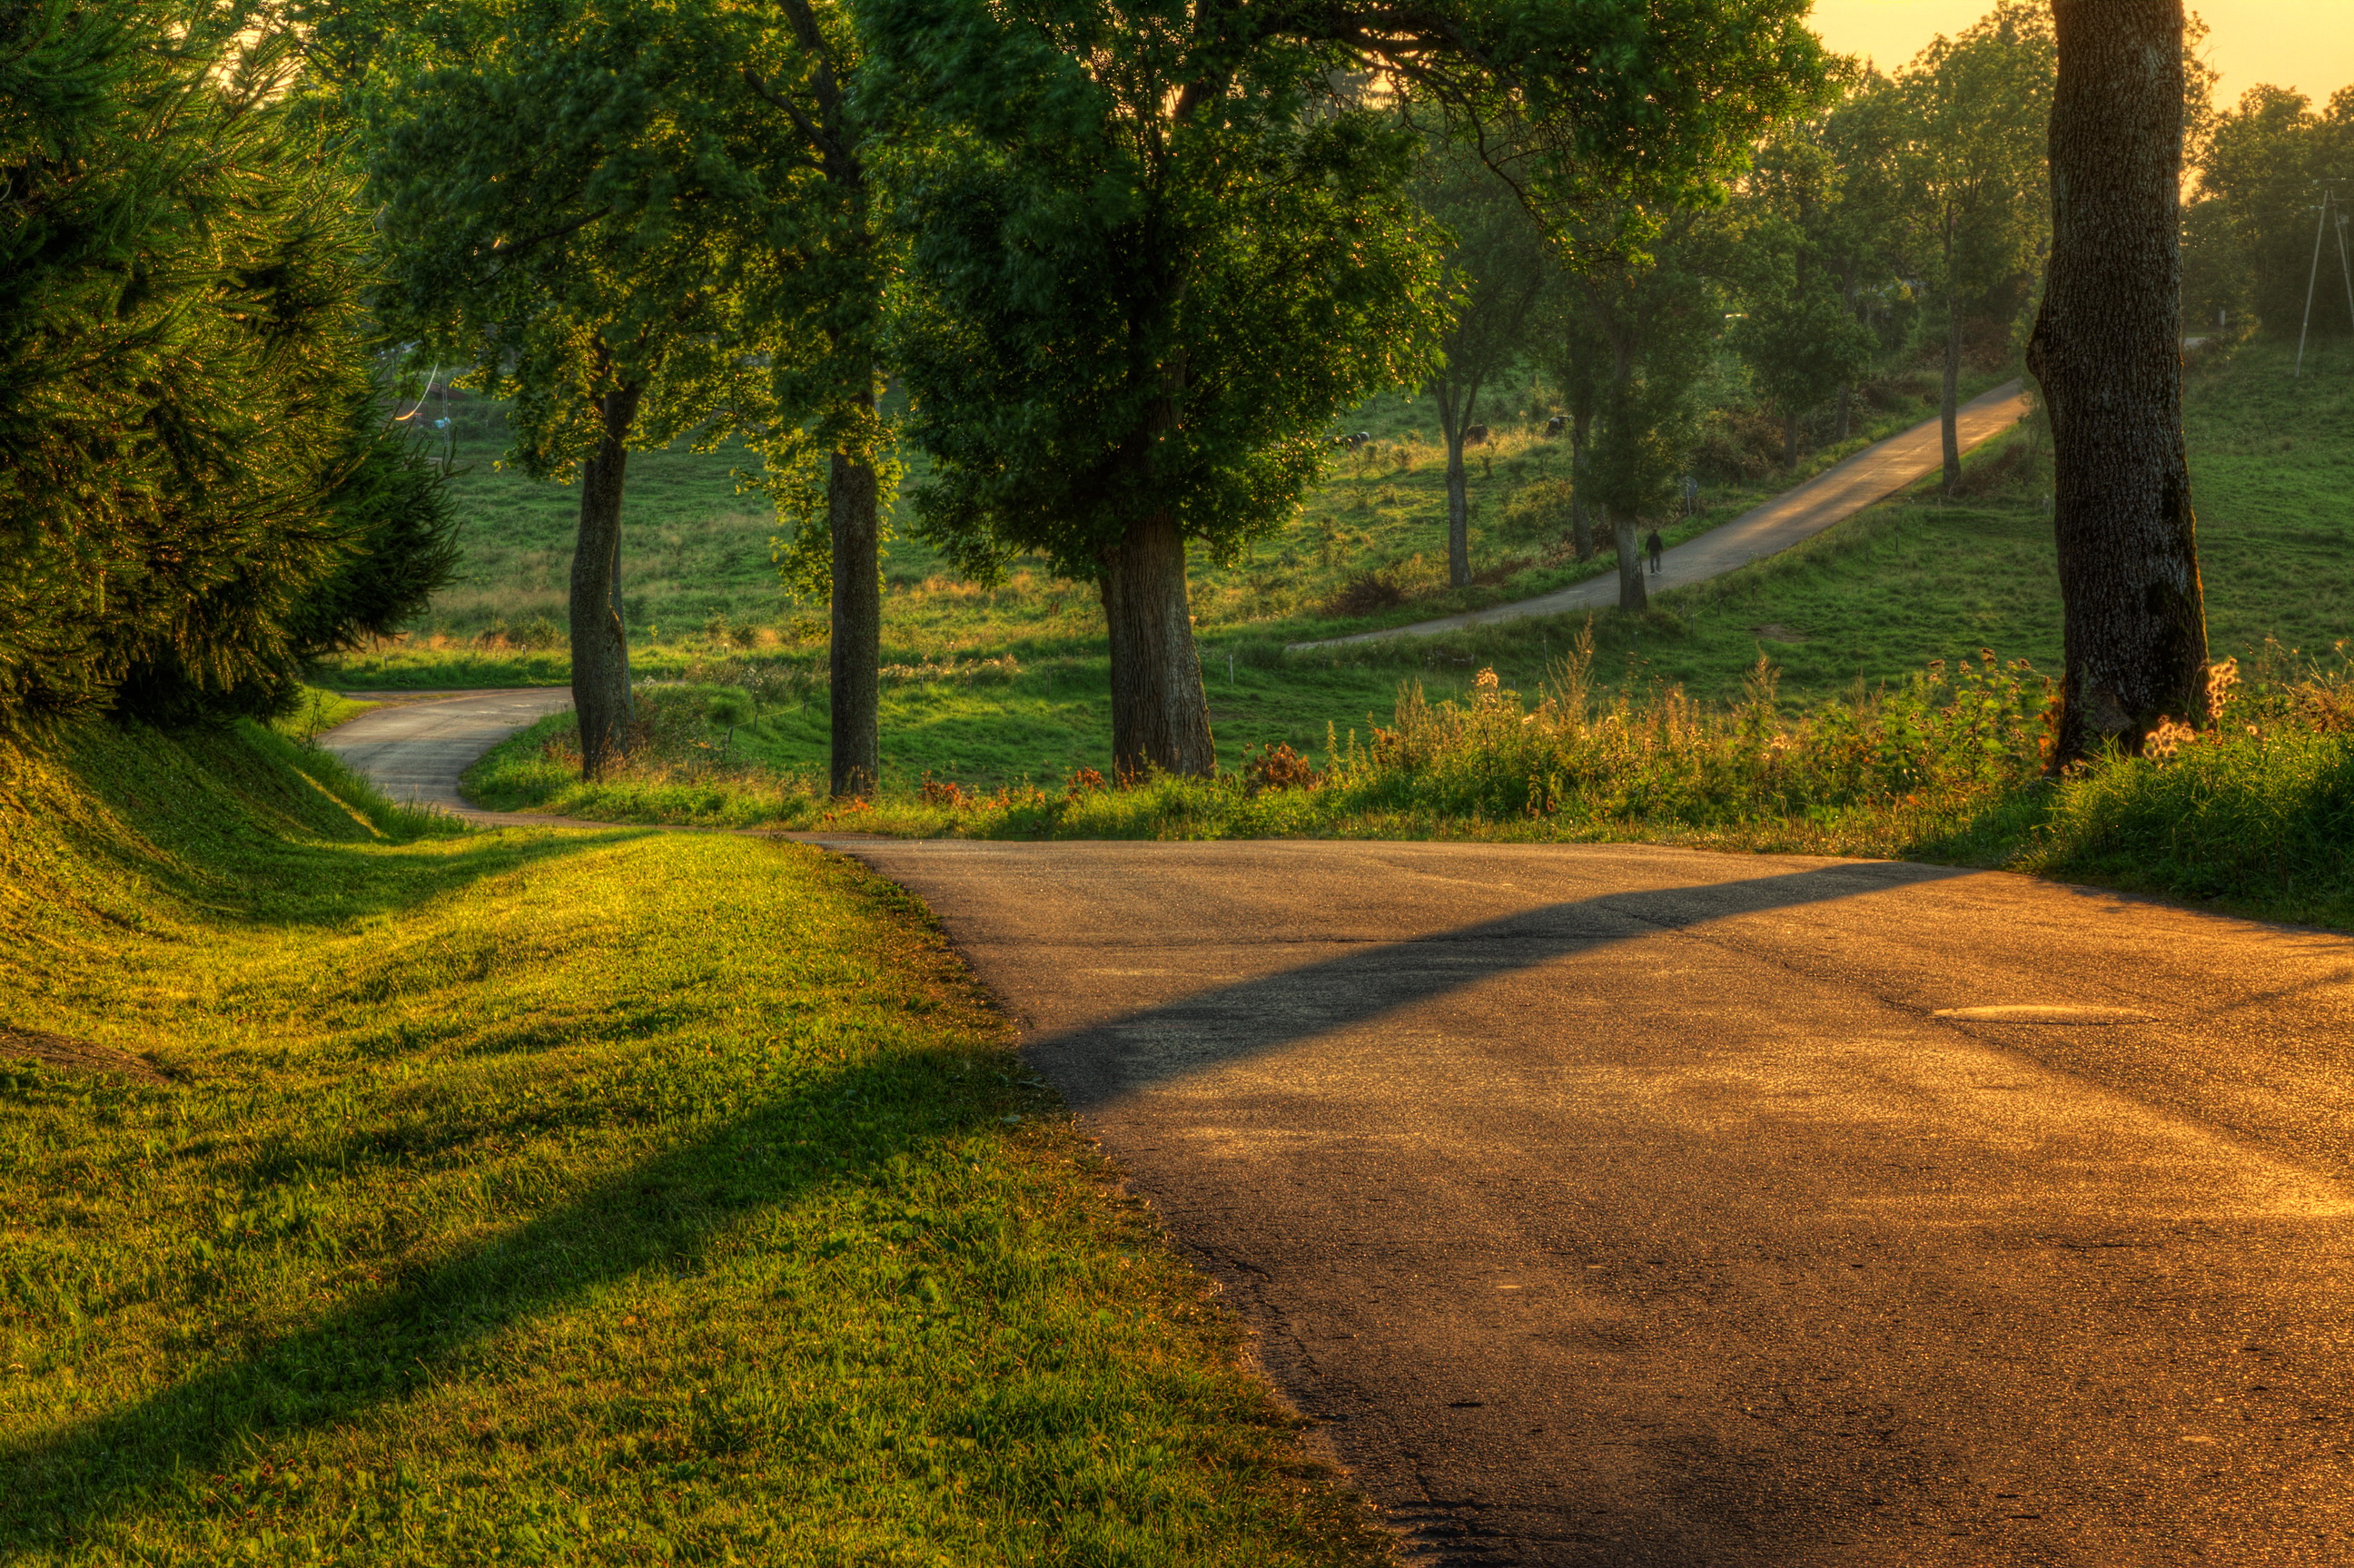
(1655, 549)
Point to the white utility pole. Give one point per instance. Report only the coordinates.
(2320, 227)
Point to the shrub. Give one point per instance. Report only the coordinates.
(197, 494)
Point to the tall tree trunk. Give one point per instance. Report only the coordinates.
(620, 616)
(600, 648)
(2107, 351)
(852, 502)
(1631, 593)
(1581, 528)
(1459, 513)
(1453, 419)
(1950, 404)
(1160, 714)
(1789, 439)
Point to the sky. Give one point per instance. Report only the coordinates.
(2307, 44)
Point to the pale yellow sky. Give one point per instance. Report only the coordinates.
(2304, 43)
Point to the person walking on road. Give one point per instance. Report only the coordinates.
(1653, 548)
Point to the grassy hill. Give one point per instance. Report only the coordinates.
(379, 1193)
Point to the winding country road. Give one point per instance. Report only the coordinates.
(1797, 514)
(1629, 1207)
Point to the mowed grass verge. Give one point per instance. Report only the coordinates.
(380, 1194)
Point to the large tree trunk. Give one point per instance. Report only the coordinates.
(1631, 593)
(2108, 350)
(600, 648)
(1453, 419)
(1160, 714)
(1459, 513)
(1581, 528)
(1950, 404)
(852, 502)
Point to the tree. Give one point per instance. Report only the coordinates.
(2260, 188)
(1570, 348)
(1804, 264)
(1632, 472)
(2108, 350)
(820, 300)
(1161, 245)
(1498, 264)
(1977, 106)
(1633, 337)
(196, 492)
(575, 204)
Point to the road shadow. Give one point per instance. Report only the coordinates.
(395, 1344)
(1096, 1064)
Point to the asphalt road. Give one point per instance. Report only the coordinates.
(1631, 1205)
(1801, 513)
(415, 748)
(1637, 1206)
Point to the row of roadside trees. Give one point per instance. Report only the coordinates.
(1131, 260)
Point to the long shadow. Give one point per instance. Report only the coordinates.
(395, 1344)
(1098, 1063)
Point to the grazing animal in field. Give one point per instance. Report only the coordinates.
(1556, 425)
(1475, 435)
(1354, 439)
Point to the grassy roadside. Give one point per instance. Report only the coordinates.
(2253, 814)
(382, 1195)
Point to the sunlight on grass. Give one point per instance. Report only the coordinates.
(541, 1197)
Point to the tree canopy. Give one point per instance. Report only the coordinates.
(196, 489)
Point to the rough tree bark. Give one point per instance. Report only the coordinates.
(1453, 419)
(1631, 593)
(601, 649)
(1581, 530)
(2107, 351)
(851, 500)
(1160, 714)
(1950, 404)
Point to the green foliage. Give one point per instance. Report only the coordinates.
(1498, 265)
(1808, 266)
(1158, 247)
(595, 1198)
(1973, 112)
(572, 196)
(2252, 231)
(195, 495)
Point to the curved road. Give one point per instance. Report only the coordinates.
(1801, 513)
(416, 745)
(1626, 1205)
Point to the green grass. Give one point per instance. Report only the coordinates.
(2253, 815)
(991, 686)
(532, 1197)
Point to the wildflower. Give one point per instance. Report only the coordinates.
(2161, 744)
(2222, 682)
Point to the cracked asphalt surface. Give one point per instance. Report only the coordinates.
(1634, 1205)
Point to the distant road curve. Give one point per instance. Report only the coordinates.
(1832, 496)
(414, 750)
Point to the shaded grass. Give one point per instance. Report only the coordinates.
(538, 1197)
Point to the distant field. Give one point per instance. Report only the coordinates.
(993, 685)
